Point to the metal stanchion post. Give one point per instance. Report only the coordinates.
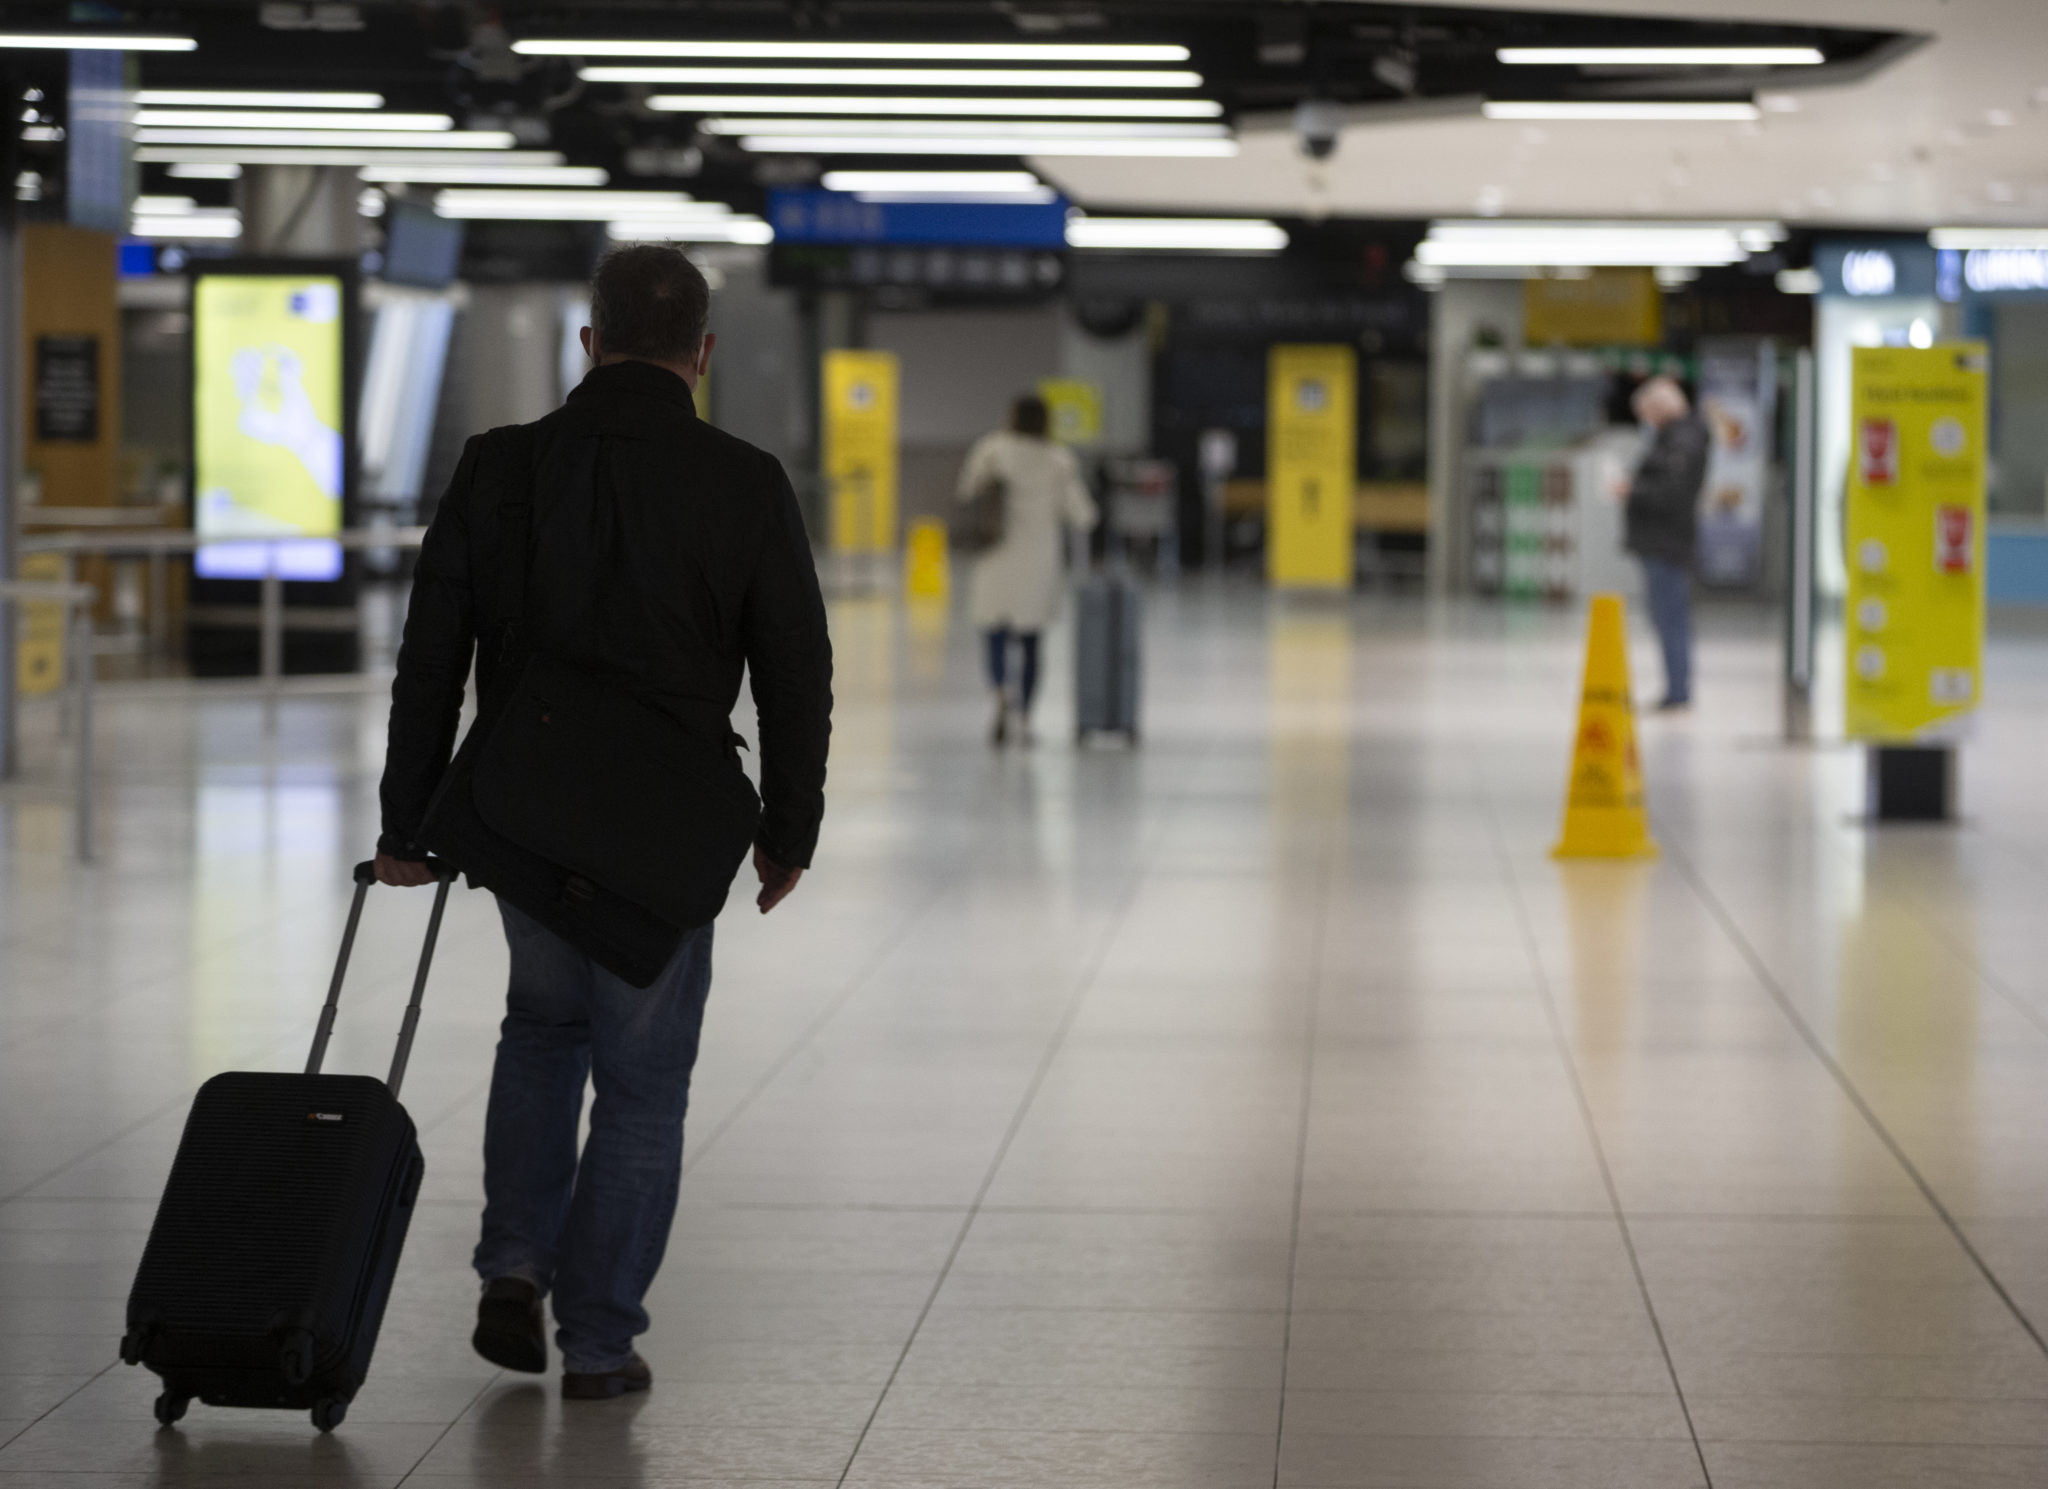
(1799, 596)
(82, 668)
(272, 639)
(159, 601)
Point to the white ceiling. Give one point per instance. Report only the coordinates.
(1915, 145)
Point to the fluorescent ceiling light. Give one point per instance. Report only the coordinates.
(180, 229)
(575, 206)
(941, 186)
(454, 139)
(1798, 281)
(985, 129)
(1660, 56)
(1508, 244)
(1040, 108)
(1620, 111)
(87, 41)
(315, 155)
(979, 144)
(893, 77)
(1039, 197)
(243, 98)
(736, 229)
(294, 119)
(1202, 234)
(176, 217)
(197, 170)
(906, 51)
(983, 183)
(486, 172)
(1989, 237)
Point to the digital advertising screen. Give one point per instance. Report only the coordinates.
(268, 424)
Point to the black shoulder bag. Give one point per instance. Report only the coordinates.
(617, 819)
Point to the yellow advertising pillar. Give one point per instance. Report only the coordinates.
(860, 449)
(1311, 465)
(1914, 520)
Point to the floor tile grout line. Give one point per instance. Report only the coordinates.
(1562, 1044)
(833, 1007)
(453, 1422)
(58, 1405)
(1968, 956)
(183, 1098)
(1318, 974)
(1840, 1075)
(1084, 985)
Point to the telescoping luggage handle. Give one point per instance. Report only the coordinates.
(366, 875)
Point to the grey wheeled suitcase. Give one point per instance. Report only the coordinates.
(1108, 629)
(278, 1235)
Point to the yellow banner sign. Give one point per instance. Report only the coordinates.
(1073, 408)
(860, 449)
(1914, 524)
(1607, 307)
(1311, 465)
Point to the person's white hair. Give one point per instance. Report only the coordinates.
(1659, 400)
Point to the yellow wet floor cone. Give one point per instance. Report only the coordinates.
(927, 575)
(1603, 807)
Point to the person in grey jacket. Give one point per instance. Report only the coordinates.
(1661, 523)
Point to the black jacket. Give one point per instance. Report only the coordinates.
(1662, 518)
(665, 553)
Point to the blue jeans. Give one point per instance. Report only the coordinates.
(999, 641)
(591, 1231)
(1670, 587)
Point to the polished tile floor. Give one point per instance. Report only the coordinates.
(1263, 1107)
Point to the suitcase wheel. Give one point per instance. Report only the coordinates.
(135, 1344)
(328, 1412)
(170, 1406)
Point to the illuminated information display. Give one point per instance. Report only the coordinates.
(268, 452)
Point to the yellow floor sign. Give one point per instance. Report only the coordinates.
(1603, 809)
(39, 649)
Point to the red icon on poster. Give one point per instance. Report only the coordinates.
(1877, 452)
(1954, 535)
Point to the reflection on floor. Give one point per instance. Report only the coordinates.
(1259, 1107)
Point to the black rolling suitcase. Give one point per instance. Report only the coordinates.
(267, 1271)
(1108, 633)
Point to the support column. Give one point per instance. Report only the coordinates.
(299, 211)
(10, 475)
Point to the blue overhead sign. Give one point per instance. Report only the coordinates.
(814, 216)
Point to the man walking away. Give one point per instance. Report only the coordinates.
(1662, 523)
(663, 558)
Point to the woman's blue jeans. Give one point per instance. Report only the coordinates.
(999, 639)
(591, 1230)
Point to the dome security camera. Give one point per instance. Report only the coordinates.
(1318, 123)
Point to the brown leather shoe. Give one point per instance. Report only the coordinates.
(603, 1385)
(510, 1331)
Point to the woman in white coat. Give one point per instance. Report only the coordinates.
(1015, 590)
